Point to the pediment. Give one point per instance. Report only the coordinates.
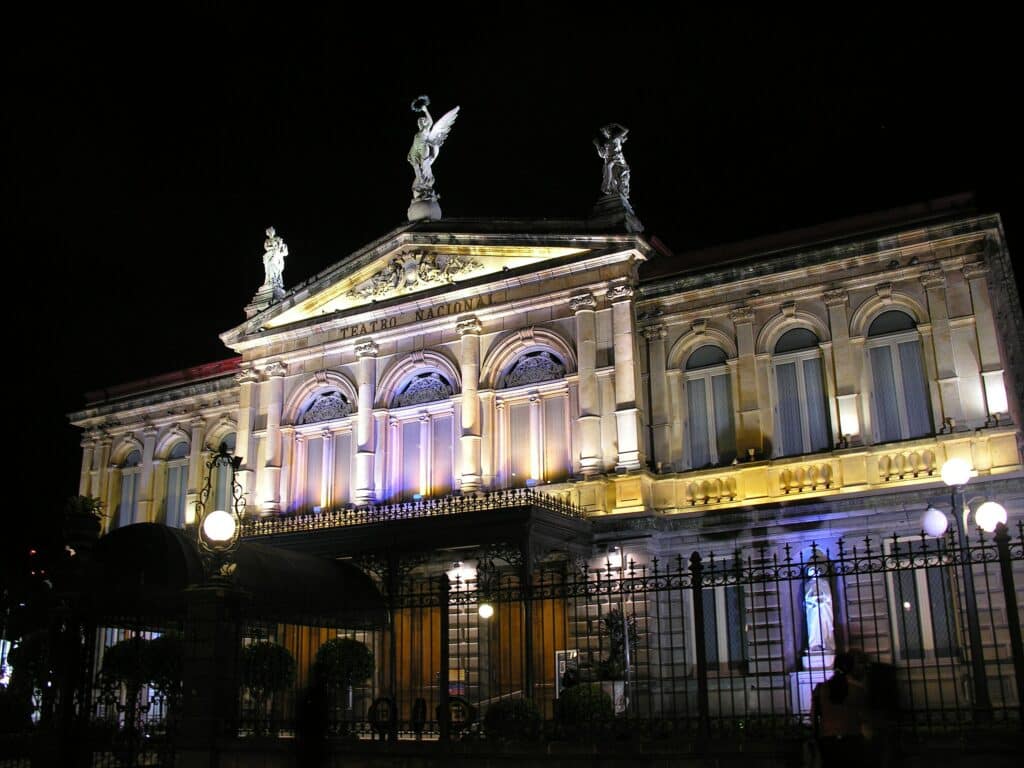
(414, 268)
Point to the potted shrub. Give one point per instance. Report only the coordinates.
(583, 708)
(342, 663)
(266, 669)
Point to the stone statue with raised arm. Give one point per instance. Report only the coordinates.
(426, 145)
(615, 180)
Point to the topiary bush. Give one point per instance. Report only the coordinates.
(343, 662)
(266, 669)
(512, 720)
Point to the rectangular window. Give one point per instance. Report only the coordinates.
(177, 491)
(923, 613)
(441, 456)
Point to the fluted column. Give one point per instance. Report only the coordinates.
(85, 475)
(196, 466)
(988, 346)
(288, 480)
(147, 477)
(660, 441)
(627, 415)
(247, 379)
(934, 282)
(749, 429)
(366, 351)
(589, 417)
(272, 463)
(469, 440)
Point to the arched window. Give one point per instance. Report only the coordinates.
(711, 434)
(422, 439)
(801, 414)
(533, 368)
(222, 496)
(425, 387)
(131, 471)
(899, 387)
(177, 486)
(326, 406)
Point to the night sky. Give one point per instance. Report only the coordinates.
(148, 155)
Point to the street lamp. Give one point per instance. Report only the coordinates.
(955, 474)
(218, 531)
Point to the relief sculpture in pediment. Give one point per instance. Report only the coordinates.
(414, 271)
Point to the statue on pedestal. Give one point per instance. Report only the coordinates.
(426, 145)
(615, 180)
(275, 251)
(820, 616)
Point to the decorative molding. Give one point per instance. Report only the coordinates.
(326, 406)
(583, 302)
(835, 297)
(275, 369)
(533, 368)
(741, 315)
(699, 327)
(620, 292)
(469, 325)
(655, 332)
(975, 270)
(247, 376)
(788, 309)
(933, 278)
(366, 348)
(426, 387)
(884, 292)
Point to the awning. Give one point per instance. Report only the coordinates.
(143, 570)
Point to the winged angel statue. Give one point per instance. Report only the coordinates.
(425, 147)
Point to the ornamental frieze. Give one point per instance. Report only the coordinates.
(414, 271)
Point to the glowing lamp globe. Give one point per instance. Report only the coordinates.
(934, 522)
(219, 526)
(486, 610)
(956, 472)
(989, 515)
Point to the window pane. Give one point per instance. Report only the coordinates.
(342, 469)
(941, 604)
(725, 432)
(817, 413)
(519, 444)
(441, 457)
(556, 453)
(710, 626)
(791, 440)
(314, 471)
(908, 615)
(915, 393)
(126, 510)
(885, 395)
(696, 398)
(735, 624)
(410, 471)
(174, 514)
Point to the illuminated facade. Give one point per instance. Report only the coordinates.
(464, 357)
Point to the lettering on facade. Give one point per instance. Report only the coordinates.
(453, 308)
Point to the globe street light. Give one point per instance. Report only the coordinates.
(956, 473)
(218, 531)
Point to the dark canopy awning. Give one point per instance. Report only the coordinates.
(144, 570)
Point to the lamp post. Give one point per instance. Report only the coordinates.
(218, 531)
(955, 474)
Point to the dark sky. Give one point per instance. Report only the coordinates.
(149, 153)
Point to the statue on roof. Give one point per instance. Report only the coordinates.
(426, 146)
(615, 180)
(274, 252)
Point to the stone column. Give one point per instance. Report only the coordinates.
(627, 415)
(660, 442)
(487, 430)
(934, 282)
(536, 431)
(271, 481)
(326, 470)
(392, 486)
(425, 473)
(749, 430)
(366, 351)
(288, 479)
(85, 475)
(196, 467)
(469, 329)
(98, 482)
(988, 344)
(846, 375)
(147, 477)
(246, 379)
(380, 465)
(589, 417)
(501, 435)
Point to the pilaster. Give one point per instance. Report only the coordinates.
(749, 429)
(660, 427)
(987, 339)
(247, 379)
(469, 329)
(847, 389)
(589, 416)
(273, 389)
(364, 491)
(147, 476)
(934, 282)
(627, 414)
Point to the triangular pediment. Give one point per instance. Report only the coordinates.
(415, 268)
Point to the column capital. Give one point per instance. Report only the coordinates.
(325, 434)
(884, 292)
(620, 290)
(699, 326)
(149, 431)
(366, 348)
(835, 297)
(741, 315)
(583, 302)
(424, 417)
(933, 278)
(975, 269)
(275, 369)
(655, 332)
(468, 325)
(196, 421)
(248, 375)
